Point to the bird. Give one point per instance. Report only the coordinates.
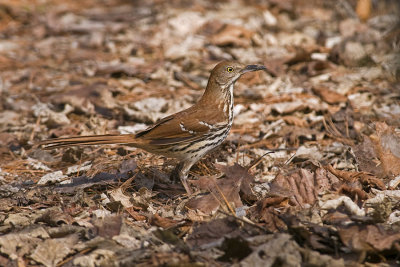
(186, 135)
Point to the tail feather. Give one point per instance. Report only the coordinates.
(89, 140)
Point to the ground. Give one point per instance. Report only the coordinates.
(309, 175)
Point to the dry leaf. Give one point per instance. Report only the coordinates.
(387, 146)
(369, 238)
(162, 222)
(52, 251)
(363, 9)
(365, 178)
(135, 215)
(304, 185)
(232, 35)
(296, 121)
(55, 218)
(224, 191)
(108, 227)
(212, 233)
(367, 157)
(328, 95)
(266, 210)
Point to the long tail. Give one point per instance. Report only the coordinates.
(89, 140)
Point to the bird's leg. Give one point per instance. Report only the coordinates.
(174, 177)
(181, 171)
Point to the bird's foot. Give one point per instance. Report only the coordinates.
(178, 174)
(186, 186)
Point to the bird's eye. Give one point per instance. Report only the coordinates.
(229, 69)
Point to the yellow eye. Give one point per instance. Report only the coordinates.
(229, 69)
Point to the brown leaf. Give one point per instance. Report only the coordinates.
(186, 79)
(276, 67)
(365, 178)
(352, 192)
(135, 215)
(304, 185)
(208, 203)
(336, 217)
(363, 9)
(238, 172)
(295, 133)
(117, 70)
(342, 124)
(221, 191)
(279, 249)
(294, 120)
(367, 158)
(312, 235)
(212, 233)
(169, 259)
(211, 27)
(51, 251)
(289, 107)
(5, 154)
(369, 238)
(329, 96)
(162, 222)
(387, 146)
(66, 130)
(109, 226)
(19, 244)
(7, 139)
(317, 67)
(55, 217)
(224, 190)
(299, 54)
(88, 99)
(266, 210)
(368, 179)
(251, 78)
(232, 35)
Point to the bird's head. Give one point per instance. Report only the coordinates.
(227, 73)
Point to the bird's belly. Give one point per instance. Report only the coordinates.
(193, 150)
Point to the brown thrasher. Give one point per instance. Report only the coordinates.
(187, 135)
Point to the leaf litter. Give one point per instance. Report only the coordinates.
(309, 174)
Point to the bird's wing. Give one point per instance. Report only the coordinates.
(185, 126)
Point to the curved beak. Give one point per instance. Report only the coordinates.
(249, 68)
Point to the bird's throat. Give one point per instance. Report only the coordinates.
(224, 102)
(228, 109)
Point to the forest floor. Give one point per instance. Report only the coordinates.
(308, 176)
